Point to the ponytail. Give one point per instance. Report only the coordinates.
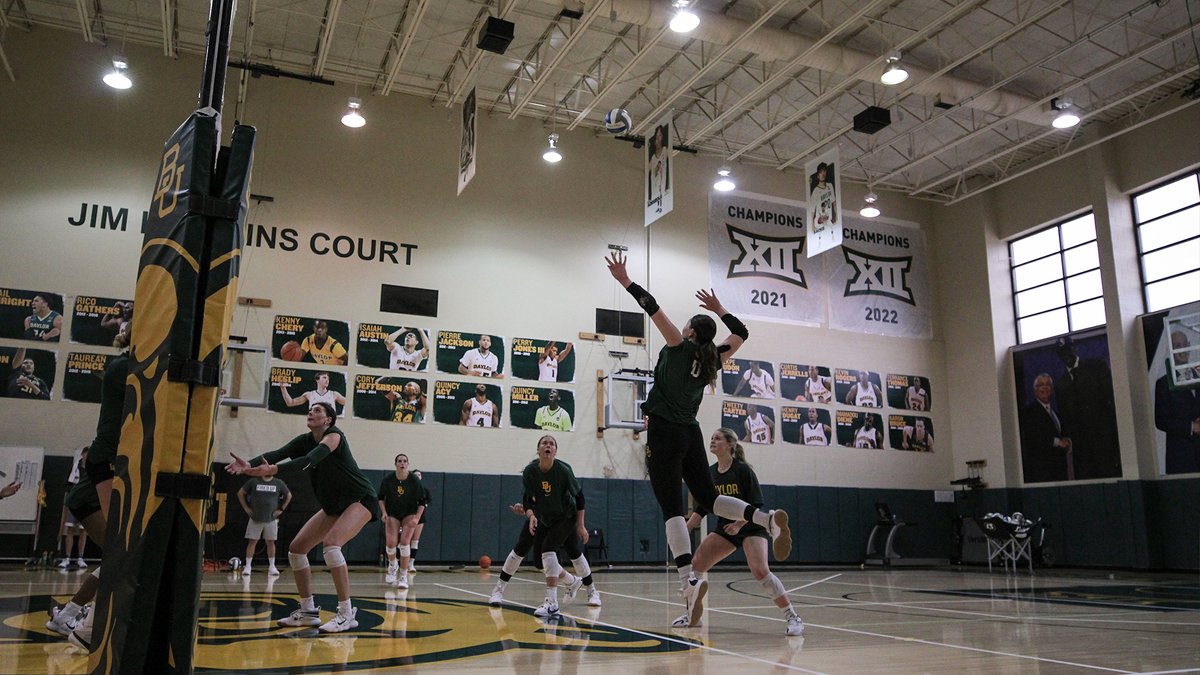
(704, 330)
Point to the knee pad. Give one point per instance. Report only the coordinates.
(550, 565)
(582, 568)
(678, 539)
(96, 573)
(298, 561)
(772, 585)
(391, 551)
(405, 551)
(333, 556)
(512, 563)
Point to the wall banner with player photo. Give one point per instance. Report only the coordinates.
(752, 423)
(756, 260)
(859, 429)
(306, 340)
(479, 354)
(393, 347)
(806, 426)
(390, 399)
(858, 387)
(294, 390)
(545, 409)
(908, 392)
(466, 142)
(747, 377)
(1067, 417)
(805, 382)
(543, 360)
(84, 375)
(30, 315)
(96, 321)
(1172, 339)
(823, 189)
(28, 373)
(658, 191)
(879, 280)
(468, 404)
(907, 432)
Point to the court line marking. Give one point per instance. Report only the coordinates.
(657, 636)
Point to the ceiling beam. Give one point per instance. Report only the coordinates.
(169, 16)
(547, 71)
(326, 39)
(85, 23)
(618, 78)
(476, 58)
(402, 48)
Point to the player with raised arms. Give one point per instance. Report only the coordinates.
(320, 394)
(549, 359)
(406, 356)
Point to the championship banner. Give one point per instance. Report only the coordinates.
(1172, 340)
(478, 354)
(30, 315)
(295, 390)
(804, 382)
(466, 143)
(805, 426)
(545, 409)
(658, 193)
(96, 321)
(390, 399)
(879, 281)
(824, 198)
(85, 371)
(752, 423)
(746, 377)
(467, 404)
(543, 360)
(908, 392)
(308, 340)
(906, 432)
(859, 429)
(28, 373)
(392, 347)
(756, 260)
(858, 387)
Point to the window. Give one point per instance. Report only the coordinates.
(1168, 234)
(1056, 280)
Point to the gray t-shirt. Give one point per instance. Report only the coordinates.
(264, 497)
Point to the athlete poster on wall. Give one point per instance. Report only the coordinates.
(30, 315)
(468, 404)
(805, 382)
(96, 321)
(907, 432)
(858, 387)
(659, 186)
(747, 377)
(83, 377)
(751, 422)
(756, 261)
(295, 390)
(543, 360)
(466, 143)
(308, 340)
(908, 392)
(392, 347)
(879, 280)
(540, 408)
(478, 354)
(1172, 339)
(859, 429)
(27, 373)
(390, 399)
(823, 187)
(806, 425)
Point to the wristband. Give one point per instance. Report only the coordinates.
(643, 297)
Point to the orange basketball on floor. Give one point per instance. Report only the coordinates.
(485, 562)
(290, 351)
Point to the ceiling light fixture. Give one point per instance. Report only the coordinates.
(552, 155)
(684, 21)
(353, 118)
(894, 72)
(724, 181)
(117, 79)
(869, 210)
(1066, 117)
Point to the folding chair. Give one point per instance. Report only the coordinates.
(597, 544)
(1003, 544)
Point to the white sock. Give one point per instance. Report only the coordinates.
(344, 606)
(307, 604)
(552, 594)
(70, 611)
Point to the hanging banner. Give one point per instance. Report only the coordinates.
(823, 189)
(390, 399)
(97, 321)
(545, 409)
(30, 315)
(879, 281)
(466, 144)
(659, 189)
(756, 260)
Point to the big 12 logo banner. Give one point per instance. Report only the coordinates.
(879, 280)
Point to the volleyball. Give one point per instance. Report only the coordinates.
(290, 351)
(618, 121)
(485, 562)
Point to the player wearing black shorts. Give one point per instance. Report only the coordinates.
(573, 582)
(73, 617)
(552, 500)
(687, 364)
(402, 499)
